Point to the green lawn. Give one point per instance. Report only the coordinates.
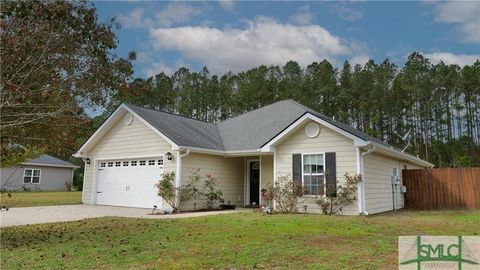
(41, 198)
(241, 241)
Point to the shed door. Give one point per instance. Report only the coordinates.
(129, 182)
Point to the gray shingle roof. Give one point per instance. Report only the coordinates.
(253, 129)
(248, 131)
(182, 130)
(49, 160)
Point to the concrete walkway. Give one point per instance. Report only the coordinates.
(61, 213)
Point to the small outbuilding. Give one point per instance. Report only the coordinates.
(40, 174)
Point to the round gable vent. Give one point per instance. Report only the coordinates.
(312, 130)
(128, 119)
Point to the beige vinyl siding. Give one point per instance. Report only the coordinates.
(327, 141)
(378, 170)
(130, 141)
(266, 175)
(126, 141)
(227, 171)
(266, 171)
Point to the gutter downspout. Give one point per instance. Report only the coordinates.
(362, 184)
(178, 178)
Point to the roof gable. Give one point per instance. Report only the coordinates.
(253, 129)
(306, 117)
(109, 123)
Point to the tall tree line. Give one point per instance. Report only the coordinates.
(439, 104)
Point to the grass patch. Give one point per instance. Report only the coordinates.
(241, 241)
(43, 198)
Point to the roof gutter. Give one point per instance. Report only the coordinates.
(390, 151)
(233, 153)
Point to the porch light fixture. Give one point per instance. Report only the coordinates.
(169, 156)
(87, 160)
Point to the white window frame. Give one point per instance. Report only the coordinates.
(315, 174)
(31, 176)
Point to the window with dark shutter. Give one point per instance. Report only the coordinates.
(297, 168)
(331, 174)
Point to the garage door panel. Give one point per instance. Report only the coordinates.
(128, 185)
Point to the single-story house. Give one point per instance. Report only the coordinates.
(43, 173)
(127, 155)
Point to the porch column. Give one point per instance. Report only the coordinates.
(260, 180)
(274, 173)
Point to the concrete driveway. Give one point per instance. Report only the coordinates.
(61, 213)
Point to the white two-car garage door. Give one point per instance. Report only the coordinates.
(129, 182)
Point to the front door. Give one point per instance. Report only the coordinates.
(254, 168)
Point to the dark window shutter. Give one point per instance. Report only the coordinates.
(297, 168)
(331, 174)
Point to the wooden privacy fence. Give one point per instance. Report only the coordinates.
(449, 188)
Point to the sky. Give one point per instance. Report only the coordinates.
(235, 36)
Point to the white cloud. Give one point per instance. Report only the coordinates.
(345, 11)
(135, 19)
(263, 42)
(450, 58)
(173, 13)
(465, 14)
(303, 17)
(360, 59)
(161, 66)
(227, 4)
(176, 13)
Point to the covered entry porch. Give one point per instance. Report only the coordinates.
(240, 178)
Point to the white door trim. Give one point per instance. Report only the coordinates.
(93, 197)
(248, 179)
